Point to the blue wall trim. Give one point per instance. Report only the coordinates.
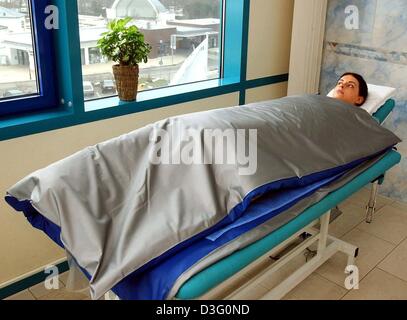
(250, 84)
(242, 97)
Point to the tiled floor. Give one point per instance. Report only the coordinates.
(382, 260)
(40, 292)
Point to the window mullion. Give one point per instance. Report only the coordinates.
(69, 57)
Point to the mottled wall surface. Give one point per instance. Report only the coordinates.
(378, 51)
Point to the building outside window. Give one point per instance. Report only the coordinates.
(184, 35)
(18, 71)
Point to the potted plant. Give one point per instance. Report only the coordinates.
(124, 45)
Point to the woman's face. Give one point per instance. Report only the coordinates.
(347, 90)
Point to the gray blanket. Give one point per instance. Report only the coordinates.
(126, 201)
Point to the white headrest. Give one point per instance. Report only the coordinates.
(378, 95)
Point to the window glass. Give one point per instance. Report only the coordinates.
(184, 35)
(18, 71)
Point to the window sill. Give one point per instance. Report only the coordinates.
(33, 117)
(166, 96)
(35, 122)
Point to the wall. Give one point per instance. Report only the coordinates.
(269, 37)
(24, 249)
(378, 51)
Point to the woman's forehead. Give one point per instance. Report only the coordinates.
(350, 78)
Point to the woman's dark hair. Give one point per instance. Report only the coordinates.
(363, 90)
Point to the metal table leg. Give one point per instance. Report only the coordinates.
(371, 206)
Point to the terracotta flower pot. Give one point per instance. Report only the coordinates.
(126, 81)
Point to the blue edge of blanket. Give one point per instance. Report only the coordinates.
(155, 279)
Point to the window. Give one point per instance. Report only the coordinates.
(70, 97)
(25, 57)
(184, 35)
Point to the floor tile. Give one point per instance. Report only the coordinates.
(379, 285)
(361, 199)
(396, 262)
(253, 294)
(274, 279)
(40, 289)
(64, 294)
(23, 295)
(226, 289)
(400, 205)
(316, 287)
(352, 216)
(389, 225)
(372, 250)
(79, 281)
(63, 277)
(382, 201)
(258, 267)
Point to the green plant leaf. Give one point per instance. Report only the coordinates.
(124, 44)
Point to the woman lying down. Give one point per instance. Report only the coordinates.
(351, 88)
